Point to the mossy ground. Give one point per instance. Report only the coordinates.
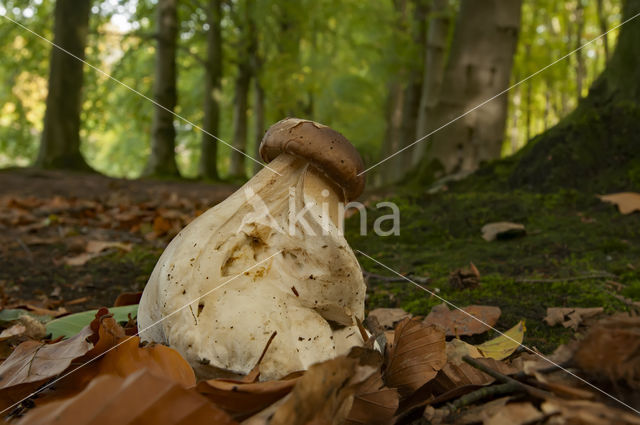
(569, 234)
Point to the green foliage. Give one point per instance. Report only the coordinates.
(68, 326)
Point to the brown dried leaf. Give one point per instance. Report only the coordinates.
(502, 230)
(33, 362)
(515, 414)
(583, 412)
(388, 317)
(241, 400)
(374, 403)
(127, 298)
(457, 323)
(417, 353)
(627, 202)
(324, 394)
(611, 350)
(140, 398)
(570, 317)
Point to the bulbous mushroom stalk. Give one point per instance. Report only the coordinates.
(310, 292)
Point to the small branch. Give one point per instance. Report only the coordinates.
(418, 279)
(532, 391)
(482, 393)
(603, 275)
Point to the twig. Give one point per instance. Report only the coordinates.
(532, 391)
(481, 394)
(603, 275)
(383, 278)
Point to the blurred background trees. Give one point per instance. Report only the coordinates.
(383, 72)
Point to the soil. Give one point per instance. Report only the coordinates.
(58, 214)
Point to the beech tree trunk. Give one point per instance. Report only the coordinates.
(240, 101)
(479, 67)
(60, 141)
(434, 63)
(212, 91)
(403, 100)
(162, 161)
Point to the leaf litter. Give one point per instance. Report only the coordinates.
(422, 371)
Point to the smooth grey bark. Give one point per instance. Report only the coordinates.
(208, 167)
(478, 67)
(162, 161)
(60, 141)
(435, 54)
(403, 98)
(240, 101)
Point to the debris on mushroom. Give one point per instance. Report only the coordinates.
(270, 258)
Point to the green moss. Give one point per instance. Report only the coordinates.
(569, 234)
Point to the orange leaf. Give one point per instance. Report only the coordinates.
(141, 398)
(244, 399)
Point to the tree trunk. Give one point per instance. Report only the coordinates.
(479, 67)
(212, 91)
(240, 101)
(580, 67)
(258, 120)
(403, 99)
(596, 147)
(60, 142)
(436, 49)
(602, 21)
(162, 160)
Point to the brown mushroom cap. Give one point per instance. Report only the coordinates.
(326, 149)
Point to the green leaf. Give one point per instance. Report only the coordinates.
(70, 325)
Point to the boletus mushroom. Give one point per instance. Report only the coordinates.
(270, 258)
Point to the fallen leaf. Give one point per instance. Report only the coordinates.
(570, 317)
(479, 414)
(388, 317)
(610, 350)
(583, 412)
(458, 323)
(324, 394)
(140, 398)
(502, 230)
(515, 414)
(33, 362)
(26, 326)
(453, 375)
(457, 349)
(95, 247)
(241, 400)
(374, 403)
(93, 250)
(627, 202)
(417, 353)
(465, 278)
(503, 345)
(70, 325)
(127, 298)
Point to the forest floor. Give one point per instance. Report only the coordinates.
(76, 242)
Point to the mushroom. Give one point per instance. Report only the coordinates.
(270, 258)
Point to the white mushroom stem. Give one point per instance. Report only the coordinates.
(309, 292)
